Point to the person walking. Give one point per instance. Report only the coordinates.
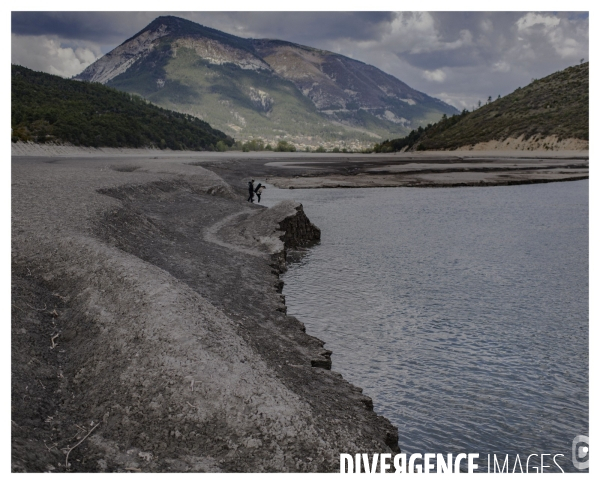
(259, 190)
(251, 191)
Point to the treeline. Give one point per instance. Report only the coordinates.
(557, 105)
(417, 135)
(281, 146)
(257, 145)
(47, 108)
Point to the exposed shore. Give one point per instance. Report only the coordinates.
(432, 169)
(148, 321)
(149, 332)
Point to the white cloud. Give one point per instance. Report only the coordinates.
(458, 100)
(437, 75)
(531, 19)
(465, 39)
(411, 32)
(565, 36)
(416, 33)
(501, 66)
(565, 47)
(50, 54)
(487, 25)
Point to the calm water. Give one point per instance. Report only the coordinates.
(462, 312)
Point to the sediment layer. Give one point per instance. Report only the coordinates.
(437, 171)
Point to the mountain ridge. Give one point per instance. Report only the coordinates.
(259, 87)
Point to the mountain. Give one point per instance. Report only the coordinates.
(264, 88)
(49, 108)
(543, 114)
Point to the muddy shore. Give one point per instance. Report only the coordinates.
(149, 332)
(340, 170)
(429, 170)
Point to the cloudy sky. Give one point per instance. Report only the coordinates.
(459, 57)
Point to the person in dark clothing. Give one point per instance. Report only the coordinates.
(259, 189)
(251, 191)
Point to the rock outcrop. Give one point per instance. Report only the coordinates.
(298, 231)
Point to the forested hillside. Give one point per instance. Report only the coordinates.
(557, 105)
(47, 108)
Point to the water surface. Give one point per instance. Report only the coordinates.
(463, 312)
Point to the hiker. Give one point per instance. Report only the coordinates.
(251, 191)
(259, 190)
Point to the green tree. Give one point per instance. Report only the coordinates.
(254, 145)
(285, 146)
(47, 108)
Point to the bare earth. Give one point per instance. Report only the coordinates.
(440, 169)
(148, 328)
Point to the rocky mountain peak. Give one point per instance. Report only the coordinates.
(264, 88)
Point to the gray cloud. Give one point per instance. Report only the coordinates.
(301, 27)
(100, 27)
(458, 56)
(48, 53)
(114, 27)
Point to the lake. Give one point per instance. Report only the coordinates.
(463, 312)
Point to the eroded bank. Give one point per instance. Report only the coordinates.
(157, 337)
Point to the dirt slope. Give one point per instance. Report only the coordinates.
(146, 337)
